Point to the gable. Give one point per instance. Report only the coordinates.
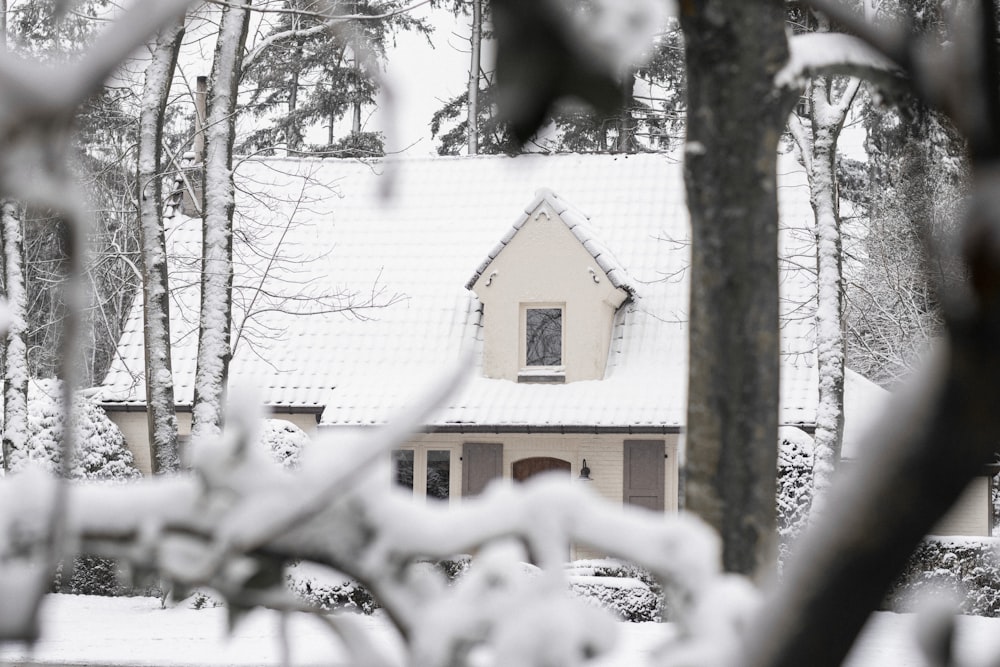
(572, 236)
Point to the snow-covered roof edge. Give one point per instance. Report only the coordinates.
(576, 222)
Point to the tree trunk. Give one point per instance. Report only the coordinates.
(294, 134)
(217, 237)
(475, 64)
(733, 52)
(161, 416)
(827, 121)
(15, 386)
(626, 141)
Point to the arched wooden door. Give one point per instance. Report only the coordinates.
(526, 468)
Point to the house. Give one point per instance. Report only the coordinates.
(566, 275)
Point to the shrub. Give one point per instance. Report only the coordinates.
(964, 569)
(794, 497)
(284, 441)
(626, 590)
(93, 575)
(100, 455)
(454, 567)
(329, 590)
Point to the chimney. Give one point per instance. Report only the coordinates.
(194, 161)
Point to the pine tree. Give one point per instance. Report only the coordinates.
(313, 70)
(650, 116)
(103, 143)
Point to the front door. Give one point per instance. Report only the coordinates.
(526, 468)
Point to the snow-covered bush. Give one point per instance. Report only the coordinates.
(101, 453)
(963, 569)
(453, 568)
(326, 589)
(996, 503)
(628, 592)
(794, 497)
(283, 440)
(91, 575)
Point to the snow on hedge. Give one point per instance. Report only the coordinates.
(284, 441)
(101, 453)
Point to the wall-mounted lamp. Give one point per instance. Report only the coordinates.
(585, 472)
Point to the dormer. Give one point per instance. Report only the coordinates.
(550, 290)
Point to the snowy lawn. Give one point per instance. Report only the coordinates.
(81, 630)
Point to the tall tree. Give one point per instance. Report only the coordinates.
(161, 416)
(314, 68)
(732, 416)
(102, 155)
(16, 376)
(648, 116)
(475, 76)
(829, 102)
(215, 318)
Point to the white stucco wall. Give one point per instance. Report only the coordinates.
(134, 428)
(604, 454)
(544, 265)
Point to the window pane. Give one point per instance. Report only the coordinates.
(543, 328)
(402, 468)
(438, 474)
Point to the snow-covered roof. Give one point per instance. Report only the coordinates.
(310, 231)
(864, 404)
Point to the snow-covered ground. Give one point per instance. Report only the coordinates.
(81, 630)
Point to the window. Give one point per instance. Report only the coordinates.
(402, 468)
(543, 337)
(438, 474)
(423, 472)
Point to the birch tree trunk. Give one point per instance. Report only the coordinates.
(161, 415)
(217, 236)
(829, 300)
(475, 65)
(828, 116)
(733, 51)
(15, 385)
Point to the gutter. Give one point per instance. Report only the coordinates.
(281, 409)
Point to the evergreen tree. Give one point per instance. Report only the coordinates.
(313, 70)
(104, 138)
(651, 116)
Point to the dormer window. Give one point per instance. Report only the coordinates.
(543, 333)
(549, 292)
(542, 343)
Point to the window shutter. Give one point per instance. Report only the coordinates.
(644, 473)
(481, 463)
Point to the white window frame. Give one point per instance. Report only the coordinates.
(527, 371)
(420, 462)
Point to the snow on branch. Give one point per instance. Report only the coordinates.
(836, 54)
(237, 519)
